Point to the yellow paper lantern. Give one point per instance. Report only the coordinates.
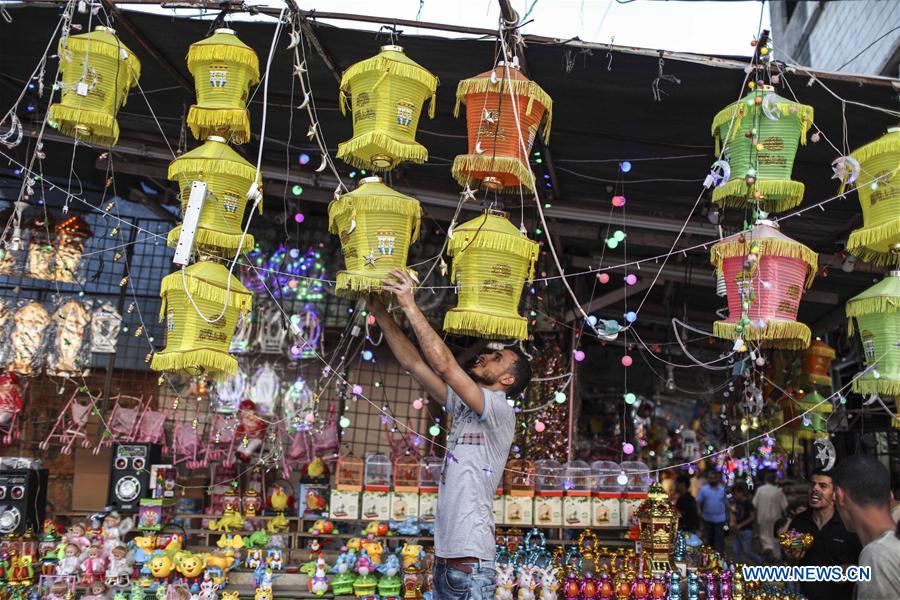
(194, 345)
(376, 226)
(224, 68)
(228, 177)
(386, 93)
(492, 260)
(879, 196)
(97, 70)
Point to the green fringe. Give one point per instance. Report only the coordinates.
(217, 364)
(875, 304)
(889, 142)
(358, 200)
(205, 122)
(415, 153)
(463, 164)
(790, 335)
(190, 167)
(239, 297)
(778, 195)
(784, 248)
(383, 63)
(89, 44)
(862, 241)
(485, 325)
(520, 87)
(243, 55)
(740, 109)
(214, 242)
(883, 386)
(66, 118)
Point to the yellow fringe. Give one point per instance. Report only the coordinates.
(243, 55)
(88, 44)
(186, 166)
(66, 118)
(520, 87)
(778, 195)
(386, 64)
(741, 109)
(890, 142)
(400, 152)
(876, 304)
(790, 335)
(239, 297)
(861, 242)
(784, 248)
(464, 164)
(485, 325)
(491, 240)
(214, 242)
(885, 387)
(358, 285)
(217, 364)
(357, 201)
(205, 122)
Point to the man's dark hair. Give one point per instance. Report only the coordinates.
(769, 476)
(521, 372)
(823, 473)
(864, 479)
(684, 479)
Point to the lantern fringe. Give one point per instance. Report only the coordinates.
(491, 241)
(783, 248)
(886, 387)
(224, 53)
(739, 109)
(239, 297)
(790, 335)
(356, 285)
(399, 205)
(187, 169)
(416, 153)
(861, 241)
(883, 145)
(868, 306)
(465, 164)
(778, 195)
(218, 364)
(207, 238)
(205, 122)
(485, 325)
(66, 118)
(523, 87)
(91, 45)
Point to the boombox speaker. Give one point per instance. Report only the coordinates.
(23, 500)
(129, 475)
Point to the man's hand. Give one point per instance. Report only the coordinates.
(794, 554)
(403, 286)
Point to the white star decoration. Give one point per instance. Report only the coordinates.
(370, 258)
(468, 194)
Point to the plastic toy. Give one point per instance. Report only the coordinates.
(257, 539)
(318, 583)
(161, 567)
(250, 431)
(231, 596)
(208, 588)
(550, 584)
(97, 591)
(77, 534)
(275, 558)
(342, 583)
(411, 554)
(376, 529)
(94, 565)
(366, 583)
(410, 526)
(190, 566)
(254, 558)
(322, 527)
(114, 529)
(506, 582)
(375, 551)
(71, 561)
(231, 519)
(118, 571)
(390, 582)
(277, 524)
(315, 550)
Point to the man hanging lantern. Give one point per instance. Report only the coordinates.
(228, 177)
(760, 133)
(877, 315)
(224, 68)
(492, 260)
(386, 94)
(376, 225)
(766, 274)
(201, 305)
(98, 71)
(496, 159)
(878, 186)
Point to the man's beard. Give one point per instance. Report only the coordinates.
(480, 379)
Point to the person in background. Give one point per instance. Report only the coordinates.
(744, 517)
(770, 503)
(832, 543)
(713, 510)
(686, 505)
(863, 497)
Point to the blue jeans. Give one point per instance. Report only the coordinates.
(742, 546)
(453, 584)
(715, 536)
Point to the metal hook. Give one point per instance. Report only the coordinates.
(609, 53)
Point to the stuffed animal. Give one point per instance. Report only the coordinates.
(506, 582)
(549, 583)
(526, 582)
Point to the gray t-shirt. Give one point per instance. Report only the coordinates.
(477, 449)
(883, 556)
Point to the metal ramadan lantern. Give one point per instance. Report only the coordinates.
(492, 260)
(879, 196)
(223, 68)
(817, 364)
(496, 158)
(877, 315)
(98, 71)
(71, 234)
(658, 521)
(760, 134)
(201, 305)
(376, 226)
(386, 93)
(228, 177)
(766, 274)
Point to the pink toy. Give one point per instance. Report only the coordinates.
(98, 592)
(186, 446)
(220, 442)
(10, 407)
(250, 432)
(150, 429)
(94, 565)
(70, 424)
(123, 421)
(114, 529)
(77, 534)
(527, 583)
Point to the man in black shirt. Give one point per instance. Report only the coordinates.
(742, 531)
(832, 543)
(686, 505)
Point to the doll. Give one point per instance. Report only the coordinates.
(57, 591)
(77, 534)
(10, 397)
(71, 561)
(97, 591)
(118, 571)
(114, 529)
(250, 432)
(94, 565)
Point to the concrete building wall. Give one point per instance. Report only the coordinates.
(826, 35)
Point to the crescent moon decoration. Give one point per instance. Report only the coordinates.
(295, 39)
(478, 148)
(323, 164)
(719, 174)
(494, 78)
(305, 101)
(352, 225)
(846, 169)
(13, 137)
(770, 110)
(825, 453)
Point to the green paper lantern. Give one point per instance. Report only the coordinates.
(818, 417)
(760, 134)
(877, 315)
